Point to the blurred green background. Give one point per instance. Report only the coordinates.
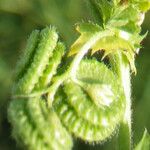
(19, 17)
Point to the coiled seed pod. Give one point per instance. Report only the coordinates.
(77, 107)
(34, 65)
(89, 106)
(52, 66)
(36, 127)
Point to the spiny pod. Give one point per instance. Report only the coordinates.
(77, 107)
(36, 59)
(37, 128)
(27, 55)
(52, 66)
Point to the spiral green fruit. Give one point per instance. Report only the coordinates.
(37, 128)
(76, 104)
(89, 105)
(34, 126)
(38, 61)
(28, 53)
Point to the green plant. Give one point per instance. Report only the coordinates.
(87, 91)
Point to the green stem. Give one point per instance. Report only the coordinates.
(122, 68)
(53, 88)
(84, 49)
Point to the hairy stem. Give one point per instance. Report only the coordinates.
(84, 49)
(122, 68)
(125, 128)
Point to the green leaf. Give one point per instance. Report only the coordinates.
(106, 9)
(116, 2)
(143, 5)
(125, 17)
(113, 41)
(102, 10)
(87, 31)
(88, 28)
(95, 11)
(144, 144)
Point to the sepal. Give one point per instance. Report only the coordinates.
(144, 143)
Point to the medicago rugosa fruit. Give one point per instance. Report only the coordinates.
(84, 97)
